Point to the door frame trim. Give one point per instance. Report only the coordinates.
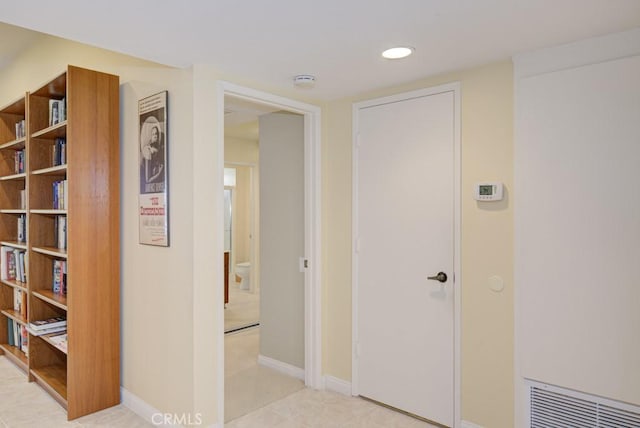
(312, 209)
(457, 274)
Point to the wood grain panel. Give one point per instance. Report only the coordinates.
(93, 271)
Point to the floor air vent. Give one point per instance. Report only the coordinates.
(552, 407)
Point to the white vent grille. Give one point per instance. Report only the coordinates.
(552, 407)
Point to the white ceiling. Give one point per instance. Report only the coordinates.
(338, 41)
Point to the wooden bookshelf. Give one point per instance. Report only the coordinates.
(52, 298)
(81, 150)
(47, 338)
(13, 182)
(16, 356)
(16, 316)
(53, 379)
(15, 284)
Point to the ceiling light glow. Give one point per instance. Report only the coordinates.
(397, 52)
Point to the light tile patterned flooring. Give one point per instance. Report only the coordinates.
(243, 308)
(249, 386)
(323, 409)
(26, 405)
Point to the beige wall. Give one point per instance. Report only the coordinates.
(156, 293)
(487, 240)
(169, 353)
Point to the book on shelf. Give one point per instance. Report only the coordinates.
(57, 111)
(48, 324)
(22, 228)
(61, 231)
(59, 285)
(20, 302)
(13, 263)
(59, 152)
(59, 341)
(59, 191)
(20, 268)
(60, 329)
(17, 300)
(17, 336)
(10, 338)
(18, 160)
(20, 131)
(23, 199)
(4, 262)
(24, 339)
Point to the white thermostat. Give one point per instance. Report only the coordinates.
(490, 191)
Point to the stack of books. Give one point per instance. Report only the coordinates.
(59, 341)
(51, 325)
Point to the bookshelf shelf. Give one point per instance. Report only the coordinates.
(54, 380)
(10, 313)
(14, 244)
(51, 251)
(18, 144)
(15, 284)
(59, 148)
(55, 131)
(17, 356)
(59, 170)
(52, 298)
(12, 177)
(47, 338)
(49, 212)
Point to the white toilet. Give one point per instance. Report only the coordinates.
(242, 270)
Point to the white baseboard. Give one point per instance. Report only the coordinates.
(281, 367)
(138, 405)
(146, 411)
(466, 424)
(337, 385)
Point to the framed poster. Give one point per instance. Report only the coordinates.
(154, 161)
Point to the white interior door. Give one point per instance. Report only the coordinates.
(404, 233)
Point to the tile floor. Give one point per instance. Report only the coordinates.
(249, 386)
(243, 307)
(26, 405)
(323, 409)
(283, 402)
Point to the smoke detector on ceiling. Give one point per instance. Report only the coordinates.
(304, 81)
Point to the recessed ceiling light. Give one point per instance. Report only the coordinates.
(397, 52)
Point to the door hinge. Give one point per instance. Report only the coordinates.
(303, 264)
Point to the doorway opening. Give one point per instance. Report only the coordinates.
(254, 227)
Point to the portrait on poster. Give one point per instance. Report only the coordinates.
(153, 166)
